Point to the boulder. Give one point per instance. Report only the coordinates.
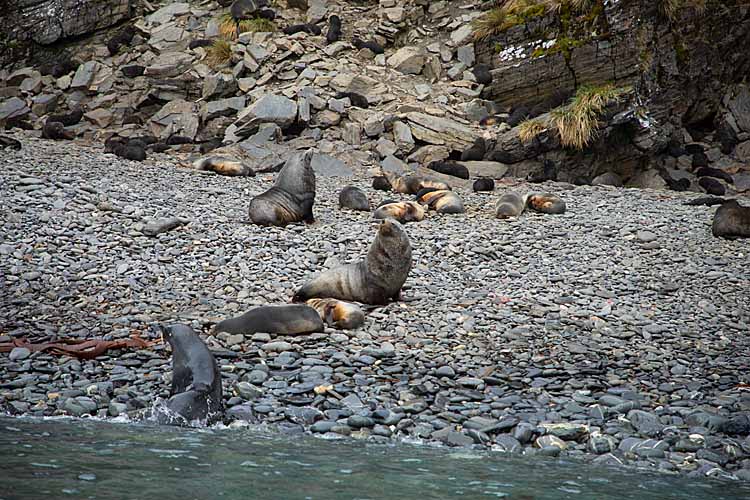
(177, 117)
(408, 60)
(270, 108)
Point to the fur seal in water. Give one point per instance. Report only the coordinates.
(288, 319)
(483, 184)
(338, 314)
(292, 196)
(223, 166)
(196, 380)
(546, 203)
(354, 199)
(374, 280)
(731, 221)
(441, 201)
(412, 183)
(402, 211)
(510, 204)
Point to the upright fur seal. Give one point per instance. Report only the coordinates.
(338, 314)
(546, 203)
(354, 199)
(224, 166)
(289, 319)
(292, 196)
(374, 280)
(510, 204)
(334, 29)
(483, 184)
(476, 151)
(449, 168)
(196, 381)
(482, 74)
(441, 201)
(731, 221)
(412, 183)
(402, 211)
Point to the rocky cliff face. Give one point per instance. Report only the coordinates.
(26, 23)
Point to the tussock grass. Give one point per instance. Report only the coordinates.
(219, 53)
(508, 14)
(228, 27)
(670, 8)
(529, 129)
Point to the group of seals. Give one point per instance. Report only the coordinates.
(411, 183)
(338, 314)
(512, 204)
(442, 201)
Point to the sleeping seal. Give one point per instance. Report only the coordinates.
(510, 204)
(412, 183)
(381, 183)
(292, 196)
(484, 184)
(223, 166)
(56, 131)
(354, 199)
(448, 167)
(546, 203)
(338, 314)
(731, 220)
(290, 319)
(196, 381)
(441, 201)
(374, 280)
(402, 211)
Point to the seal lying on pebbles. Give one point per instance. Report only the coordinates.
(196, 381)
(510, 204)
(441, 201)
(449, 168)
(130, 149)
(381, 183)
(338, 314)
(292, 196)
(310, 29)
(402, 211)
(708, 201)
(712, 186)
(714, 172)
(290, 319)
(483, 184)
(9, 142)
(56, 131)
(223, 166)
(354, 199)
(546, 203)
(412, 183)
(374, 280)
(731, 220)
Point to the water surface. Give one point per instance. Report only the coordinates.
(87, 459)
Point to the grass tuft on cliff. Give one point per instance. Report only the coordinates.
(219, 53)
(510, 13)
(529, 129)
(670, 8)
(228, 27)
(577, 122)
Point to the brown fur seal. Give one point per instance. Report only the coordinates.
(223, 166)
(338, 314)
(412, 183)
(441, 201)
(354, 199)
(448, 167)
(402, 211)
(483, 184)
(381, 183)
(56, 131)
(731, 220)
(291, 319)
(546, 203)
(292, 196)
(374, 280)
(510, 204)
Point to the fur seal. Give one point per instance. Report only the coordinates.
(311, 29)
(357, 100)
(708, 201)
(372, 45)
(374, 280)
(338, 314)
(223, 166)
(130, 149)
(412, 183)
(731, 221)
(196, 380)
(56, 131)
(449, 168)
(67, 119)
(246, 9)
(9, 142)
(712, 186)
(289, 319)
(354, 199)
(714, 172)
(133, 71)
(334, 29)
(546, 203)
(483, 184)
(441, 201)
(122, 38)
(510, 204)
(482, 74)
(476, 151)
(292, 196)
(402, 211)
(381, 183)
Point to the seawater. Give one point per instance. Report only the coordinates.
(88, 459)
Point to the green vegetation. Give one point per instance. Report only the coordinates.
(498, 47)
(219, 53)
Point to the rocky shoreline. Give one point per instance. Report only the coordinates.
(616, 333)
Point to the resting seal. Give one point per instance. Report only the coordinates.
(292, 196)
(283, 320)
(56, 131)
(510, 204)
(483, 184)
(381, 183)
(441, 201)
(196, 381)
(449, 168)
(402, 211)
(712, 186)
(412, 183)
(338, 314)
(476, 151)
(731, 220)
(374, 280)
(546, 203)
(354, 199)
(223, 166)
